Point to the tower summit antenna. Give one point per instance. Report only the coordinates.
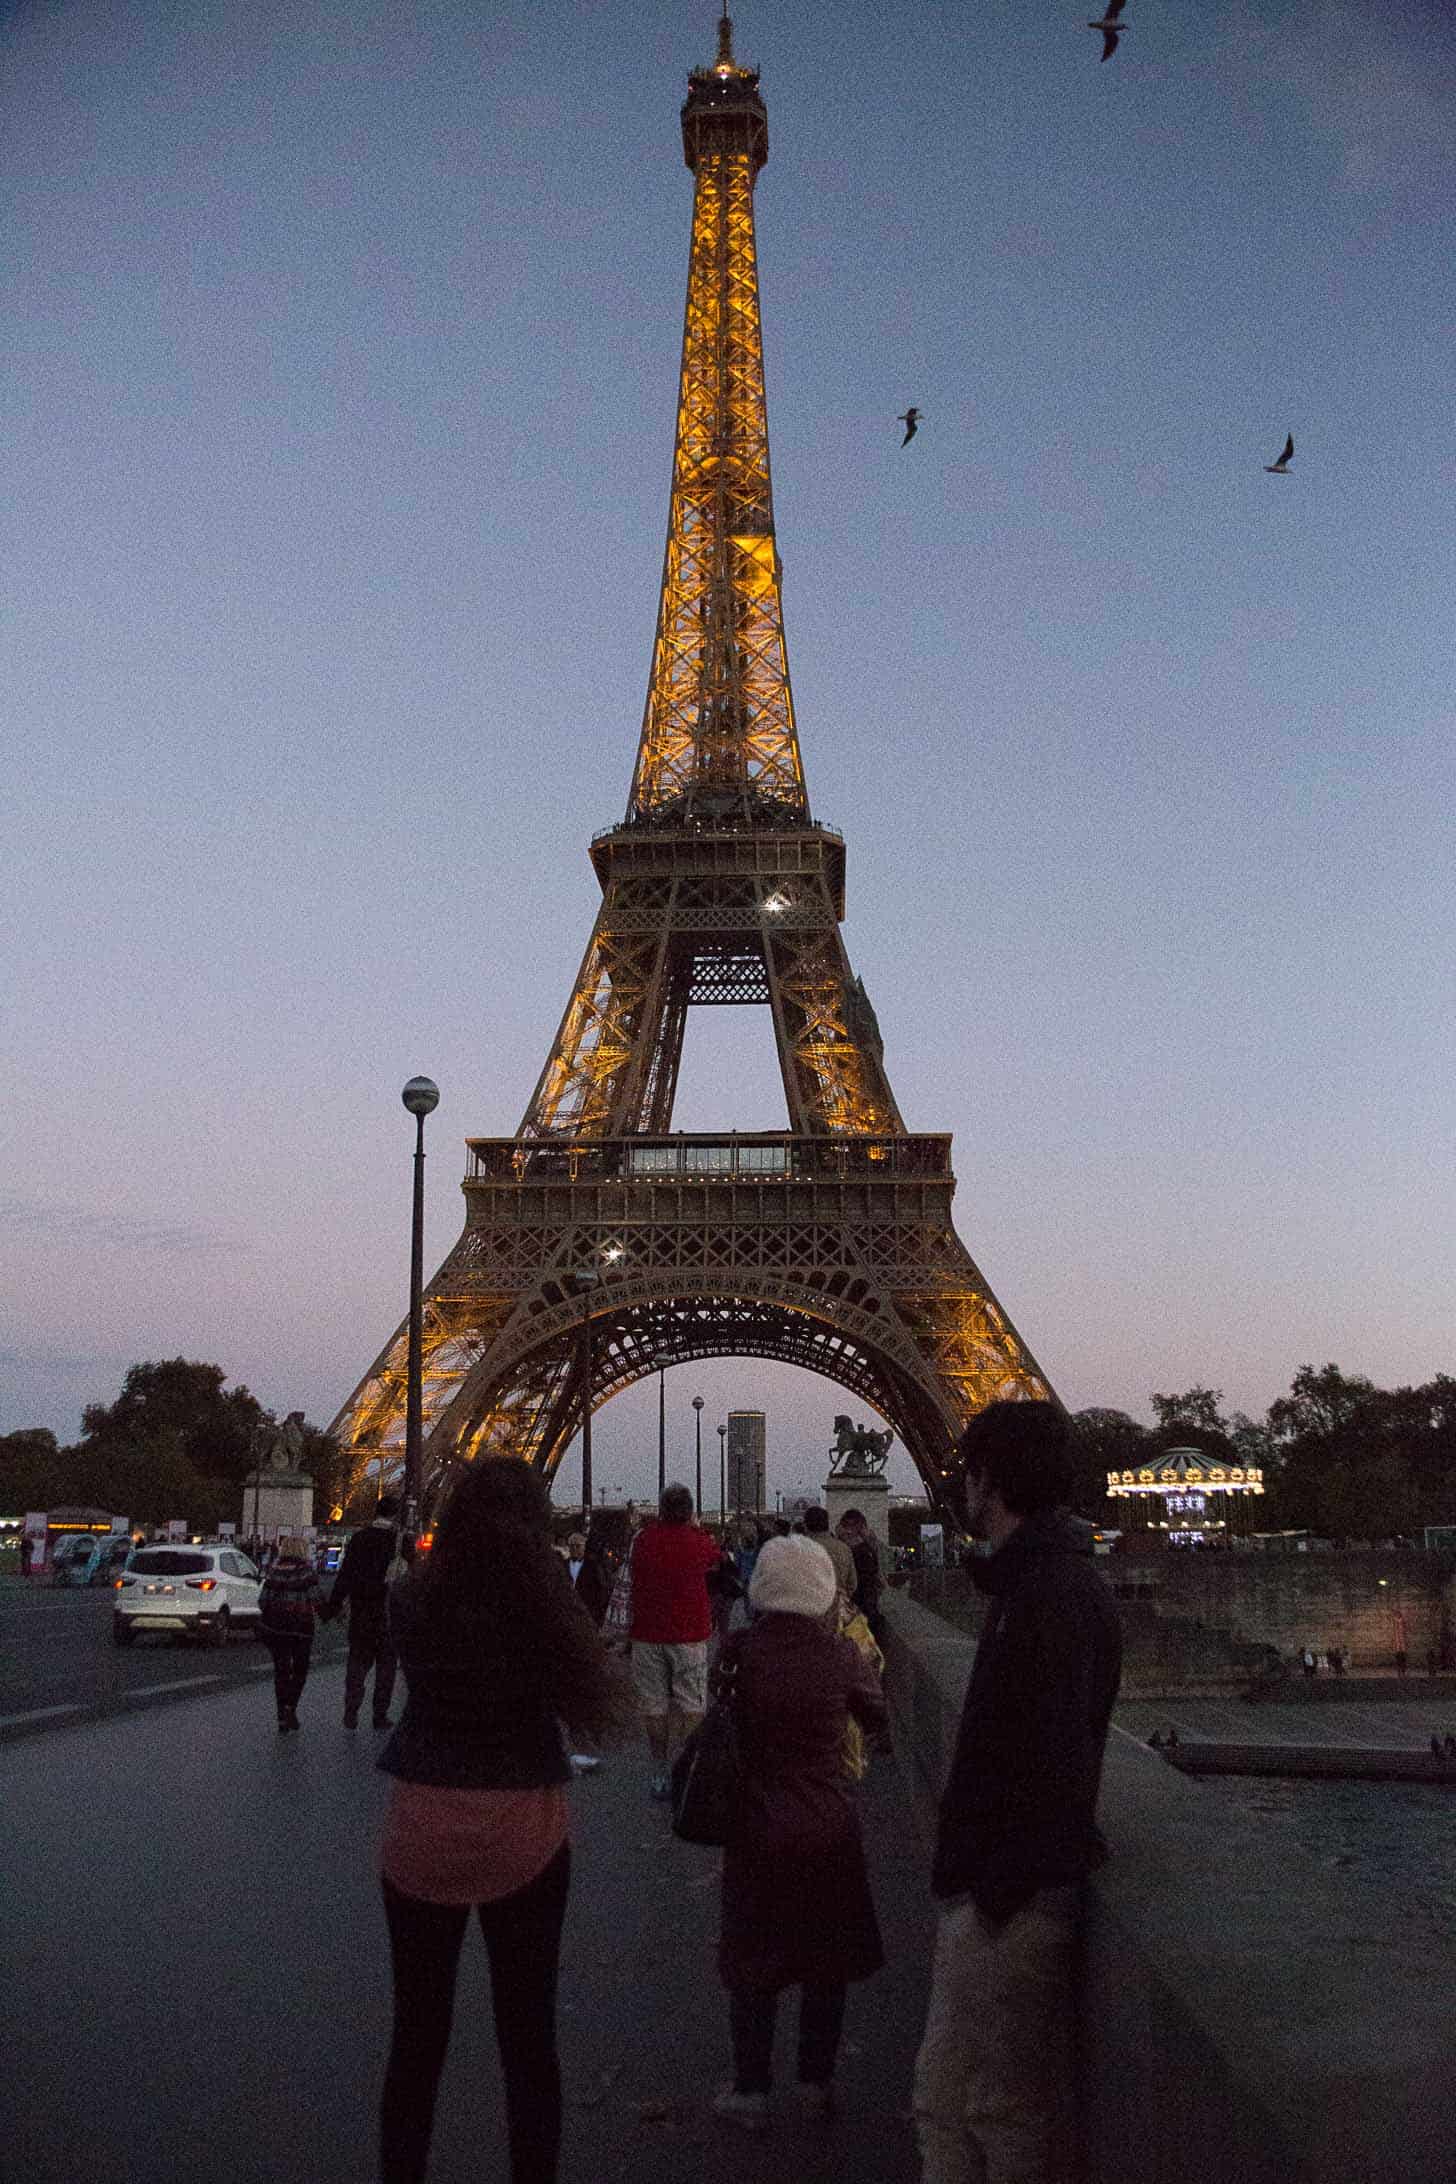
(725, 41)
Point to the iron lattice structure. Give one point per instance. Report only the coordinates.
(830, 1245)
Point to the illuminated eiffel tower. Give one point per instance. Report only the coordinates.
(597, 1242)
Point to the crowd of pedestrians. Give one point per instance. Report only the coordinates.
(508, 1647)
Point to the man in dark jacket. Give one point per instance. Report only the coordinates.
(362, 1584)
(1017, 1833)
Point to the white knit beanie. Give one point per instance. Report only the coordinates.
(792, 1576)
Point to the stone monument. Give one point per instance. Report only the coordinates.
(857, 1476)
(278, 1492)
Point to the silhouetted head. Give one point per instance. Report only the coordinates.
(1019, 1451)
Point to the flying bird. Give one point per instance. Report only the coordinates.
(1281, 468)
(1110, 27)
(910, 419)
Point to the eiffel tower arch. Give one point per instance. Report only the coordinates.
(598, 1242)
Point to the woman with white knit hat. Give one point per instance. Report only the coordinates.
(797, 1910)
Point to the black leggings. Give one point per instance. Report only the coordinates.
(751, 2020)
(290, 1669)
(523, 1939)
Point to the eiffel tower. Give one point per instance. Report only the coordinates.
(598, 1242)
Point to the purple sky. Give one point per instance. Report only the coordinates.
(341, 360)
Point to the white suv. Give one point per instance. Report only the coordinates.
(201, 1592)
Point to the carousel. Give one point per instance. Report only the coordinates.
(1191, 1498)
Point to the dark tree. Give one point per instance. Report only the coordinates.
(1103, 1441)
(182, 1399)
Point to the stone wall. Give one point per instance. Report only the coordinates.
(1348, 1598)
(1206, 1618)
(1237, 2019)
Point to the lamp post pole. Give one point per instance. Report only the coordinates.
(421, 1097)
(698, 1409)
(661, 1363)
(586, 1281)
(723, 1477)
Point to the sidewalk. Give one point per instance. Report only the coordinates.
(198, 1978)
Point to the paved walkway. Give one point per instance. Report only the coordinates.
(197, 1981)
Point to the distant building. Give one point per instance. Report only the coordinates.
(747, 1459)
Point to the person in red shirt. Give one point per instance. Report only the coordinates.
(671, 1620)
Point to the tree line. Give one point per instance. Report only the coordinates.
(177, 1442)
(1341, 1457)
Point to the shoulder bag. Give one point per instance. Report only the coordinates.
(707, 1776)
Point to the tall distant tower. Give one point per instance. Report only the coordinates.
(597, 1241)
(747, 1446)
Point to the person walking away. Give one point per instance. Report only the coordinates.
(497, 1653)
(723, 1588)
(745, 1552)
(816, 1526)
(855, 1531)
(597, 1575)
(796, 1906)
(288, 1607)
(362, 1585)
(671, 1622)
(1017, 1833)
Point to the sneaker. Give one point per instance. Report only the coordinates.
(816, 2100)
(661, 1788)
(748, 2110)
(384, 1721)
(351, 1721)
(290, 1720)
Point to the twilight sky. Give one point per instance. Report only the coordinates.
(337, 409)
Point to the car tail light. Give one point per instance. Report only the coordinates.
(202, 1584)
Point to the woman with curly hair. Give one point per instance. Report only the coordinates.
(497, 1653)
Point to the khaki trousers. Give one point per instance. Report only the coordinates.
(993, 2079)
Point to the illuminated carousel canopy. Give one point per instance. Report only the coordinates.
(1185, 1481)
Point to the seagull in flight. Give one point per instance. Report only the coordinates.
(1281, 468)
(1110, 27)
(910, 419)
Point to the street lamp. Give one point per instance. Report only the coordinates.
(698, 1408)
(661, 1364)
(585, 1279)
(421, 1097)
(723, 1477)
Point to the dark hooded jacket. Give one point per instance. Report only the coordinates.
(363, 1581)
(1019, 1804)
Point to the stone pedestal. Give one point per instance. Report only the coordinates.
(868, 1492)
(276, 1503)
